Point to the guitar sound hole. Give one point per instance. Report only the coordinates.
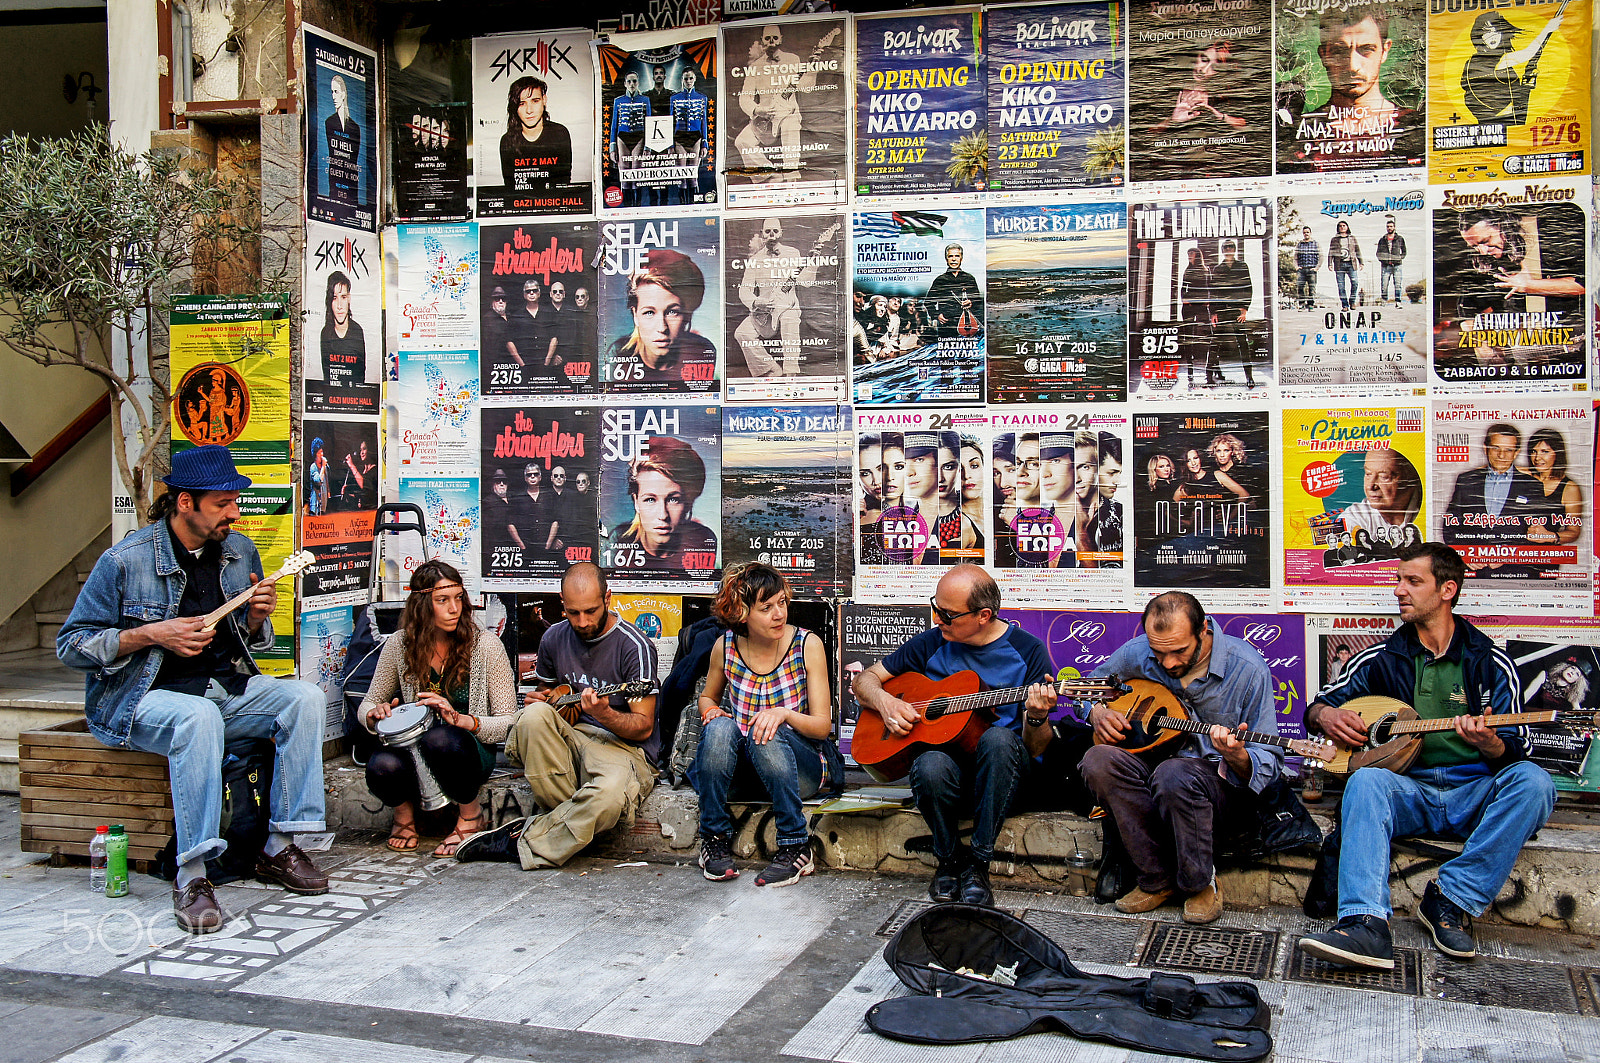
(935, 709)
(1379, 732)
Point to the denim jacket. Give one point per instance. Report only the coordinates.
(138, 582)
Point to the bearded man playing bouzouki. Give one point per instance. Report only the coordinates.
(1473, 782)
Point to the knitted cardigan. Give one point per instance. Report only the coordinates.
(492, 689)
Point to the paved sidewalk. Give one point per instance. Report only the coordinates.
(418, 959)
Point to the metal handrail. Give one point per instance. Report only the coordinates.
(65, 440)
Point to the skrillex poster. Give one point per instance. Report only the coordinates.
(533, 102)
(341, 362)
(658, 113)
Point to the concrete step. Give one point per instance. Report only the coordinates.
(57, 618)
(48, 633)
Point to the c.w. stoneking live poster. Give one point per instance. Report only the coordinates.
(784, 312)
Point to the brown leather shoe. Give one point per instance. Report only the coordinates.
(293, 870)
(1203, 907)
(1139, 901)
(195, 907)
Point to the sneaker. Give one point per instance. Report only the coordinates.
(498, 844)
(1450, 925)
(1354, 941)
(792, 863)
(716, 858)
(946, 884)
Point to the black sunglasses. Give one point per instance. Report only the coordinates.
(946, 616)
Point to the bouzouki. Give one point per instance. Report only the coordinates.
(567, 701)
(1159, 720)
(947, 717)
(296, 564)
(1395, 732)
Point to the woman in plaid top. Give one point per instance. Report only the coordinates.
(766, 711)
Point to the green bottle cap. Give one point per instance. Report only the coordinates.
(116, 828)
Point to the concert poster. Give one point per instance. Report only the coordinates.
(1352, 292)
(438, 296)
(1056, 75)
(658, 118)
(868, 634)
(1058, 303)
(660, 305)
(338, 493)
(1508, 91)
(919, 499)
(918, 298)
(1199, 298)
(230, 374)
(429, 141)
(341, 109)
(1202, 502)
(436, 405)
(341, 366)
(1351, 83)
(452, 511)
(1353, 500)
(786, 119)
(1080, 641)
(324, 636)
(539, 297)
(266, 517)
(1200, 103)
(1061, 493)
(1510, 278)
(1532, 548)
(539, 486)
(921, 104)
(1559, 670)
(534, 108)
(786, 473)
(1332, 642)
(783, 307)
(661, 496)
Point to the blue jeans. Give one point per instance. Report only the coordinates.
(1495, 814)
(1389, 272)
(190, 730)
(1306, 284)
(788, 766)
(1345, 277)
(985, 783)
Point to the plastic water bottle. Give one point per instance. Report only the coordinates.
(97, 860)
(117, 862)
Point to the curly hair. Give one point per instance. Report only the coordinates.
(742, 587)
(416, 621)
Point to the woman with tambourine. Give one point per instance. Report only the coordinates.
(442, 660)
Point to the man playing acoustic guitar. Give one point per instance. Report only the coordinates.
(970, 636)
(1472, 782)
(1167, 813)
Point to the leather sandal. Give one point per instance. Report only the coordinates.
(403, 839)
(453, 840)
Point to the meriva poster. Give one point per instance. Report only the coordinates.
(921, 107)
(1352, 77)
(539, 293)
(658, 112)
(1055, 96)
(660, 305)
(533, 106)
(1354, 498)
(1058, 303)
(1508, 92)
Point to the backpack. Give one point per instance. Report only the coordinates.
(246, 811)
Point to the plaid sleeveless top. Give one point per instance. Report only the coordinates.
(749, 691)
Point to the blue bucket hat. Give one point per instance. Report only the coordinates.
(208, 468)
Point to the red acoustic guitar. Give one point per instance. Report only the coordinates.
(947, 708)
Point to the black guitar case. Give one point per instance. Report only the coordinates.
(1168, 1013)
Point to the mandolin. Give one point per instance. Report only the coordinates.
(567, 701)
(1395, 732)
(297, 563)
(1159, 720)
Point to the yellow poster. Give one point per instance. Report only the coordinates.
(1508, 90)
(657, 615)
(266, 516)
(230, 378)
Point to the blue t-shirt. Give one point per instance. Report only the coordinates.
(1015, 660)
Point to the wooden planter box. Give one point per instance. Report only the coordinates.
(70, 784)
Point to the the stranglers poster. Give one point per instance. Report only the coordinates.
(661, 496)
(1200, 103)
(1199, 295)
(658, 118)
(1508, 90)
(660, 305)
(1202, 500)
(786, 493)
(1511, 491)
(1509, 280)
(533, 102)
(341, 365)
(429, 141)
(784, 307)
(786, 128)
(1055, 75)
(1352, 291)
(1058, 303)
(1351, 80)
(921, 104)
(919, 300)
(341, 109)
(539, 294)
(1353, 499)
(540, 490)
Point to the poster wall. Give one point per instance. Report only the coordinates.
(658, 110)
(341, 364)
(784, 307)
(539, 291)
(661, 496)
(341, 109)
(533, 100)
(540, 490)
(660, 305)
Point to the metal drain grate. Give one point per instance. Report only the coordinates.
(1508, 984)
(1586, 980)
(901, 916)
(1406, 978)
(1092, 938)
(1214, 950)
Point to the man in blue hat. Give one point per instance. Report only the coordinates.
(160, 681)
